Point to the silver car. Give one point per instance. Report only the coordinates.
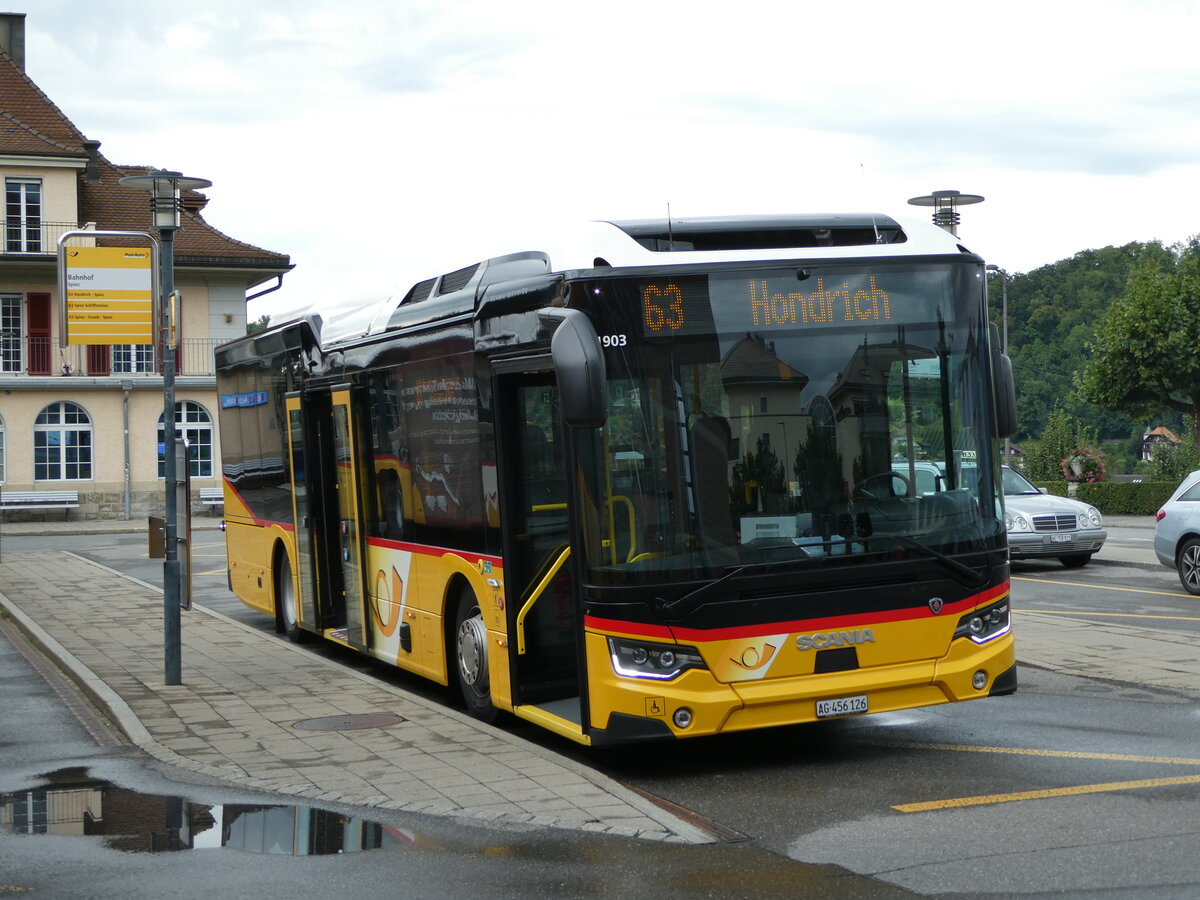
(1177, 533)
(1044, 525)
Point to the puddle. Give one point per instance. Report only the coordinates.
(70, 803)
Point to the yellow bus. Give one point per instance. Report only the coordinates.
(666, 478)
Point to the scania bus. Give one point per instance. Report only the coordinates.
(658, 480)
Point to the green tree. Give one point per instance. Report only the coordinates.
(1146, 352)
(1052, 313)
(1062, 434)
(260, 324)
(1172, 461)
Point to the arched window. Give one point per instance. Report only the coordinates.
(193, 423)
(62, 443)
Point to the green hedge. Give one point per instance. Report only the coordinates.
(1126, 498)
(1058, 488)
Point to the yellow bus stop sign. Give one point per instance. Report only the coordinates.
(110, 295)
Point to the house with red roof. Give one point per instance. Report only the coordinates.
(1157, 437)
(85, 417)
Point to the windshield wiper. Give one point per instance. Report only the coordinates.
(971, 575)
(684, 604)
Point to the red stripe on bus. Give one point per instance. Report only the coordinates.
(638, 629)
(742, 632)
(260, 523)
(429, 550)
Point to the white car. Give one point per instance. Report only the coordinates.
(1044, 525)
(1177, 533)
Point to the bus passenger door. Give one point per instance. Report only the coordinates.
(305, 510)
(542, 608)
(351, 548)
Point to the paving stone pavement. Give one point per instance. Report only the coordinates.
(243, 692)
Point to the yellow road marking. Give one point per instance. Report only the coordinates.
(1050, 792)
(1088, 612)
(1060, 754)
(987, 799)
(1103, 587)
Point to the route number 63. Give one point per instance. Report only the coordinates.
(662, 307)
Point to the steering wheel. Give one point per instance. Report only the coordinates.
(903, 479)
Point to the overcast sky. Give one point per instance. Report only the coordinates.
(379, 142)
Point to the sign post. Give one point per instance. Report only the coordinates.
(165, 207)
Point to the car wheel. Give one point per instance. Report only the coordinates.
(1188, 565)
(1075, 560)
(471, 658)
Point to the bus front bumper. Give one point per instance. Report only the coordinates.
(695, 704)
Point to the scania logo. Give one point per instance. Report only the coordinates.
(935, 605)
(834, 639)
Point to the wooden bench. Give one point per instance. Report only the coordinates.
(212, 496)
(64, 500)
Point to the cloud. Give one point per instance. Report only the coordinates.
(382, 142)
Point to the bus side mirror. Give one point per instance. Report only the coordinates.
(579, 364)
(1006, 390)
(1006, 412)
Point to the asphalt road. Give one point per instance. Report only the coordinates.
(1072, 786)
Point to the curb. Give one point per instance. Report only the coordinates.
(96, 690)
(1127, 563)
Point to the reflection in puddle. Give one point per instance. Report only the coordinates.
(70, 803)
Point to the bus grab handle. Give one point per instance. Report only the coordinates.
(533, 598)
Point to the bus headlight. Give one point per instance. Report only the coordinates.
(641, 659)
(985, 624)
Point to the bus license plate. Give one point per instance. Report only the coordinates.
(841, 706)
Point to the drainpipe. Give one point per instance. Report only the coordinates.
(127, 386)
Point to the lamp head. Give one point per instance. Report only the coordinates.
(164, 187)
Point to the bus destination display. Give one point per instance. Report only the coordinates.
(680, 306)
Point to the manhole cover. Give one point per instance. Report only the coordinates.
(349, 723)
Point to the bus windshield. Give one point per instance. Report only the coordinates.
(786, 415)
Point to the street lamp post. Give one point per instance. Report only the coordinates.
(164, 187)
(945, 207)
(1003, 334)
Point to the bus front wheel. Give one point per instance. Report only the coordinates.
(471, 658)
(285, 602)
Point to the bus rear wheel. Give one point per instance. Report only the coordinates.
(471, 658)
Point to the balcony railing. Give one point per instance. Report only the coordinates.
(34, 237)
(43, 356)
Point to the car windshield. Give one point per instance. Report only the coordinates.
(807, 432)
(1016, 483)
